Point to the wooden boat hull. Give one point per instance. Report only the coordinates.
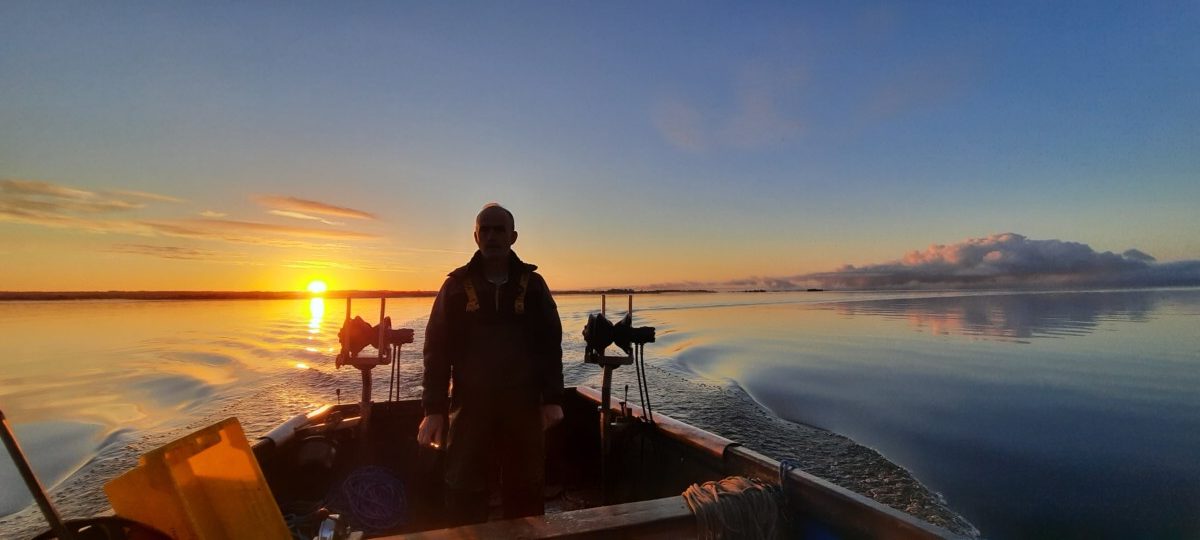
(649, 468)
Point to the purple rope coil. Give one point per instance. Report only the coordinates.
(373, 499)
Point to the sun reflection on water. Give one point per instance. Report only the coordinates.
(316, 310)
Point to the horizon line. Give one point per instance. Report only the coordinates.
(280, 295)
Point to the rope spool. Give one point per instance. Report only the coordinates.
(735, 507)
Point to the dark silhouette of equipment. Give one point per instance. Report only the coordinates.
(600, 333)
(355, 335)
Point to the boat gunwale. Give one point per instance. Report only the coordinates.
(853, 514)
(848, 513)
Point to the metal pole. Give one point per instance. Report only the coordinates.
(364, 411)
(382, 348)
(605, 397)
(31, 481)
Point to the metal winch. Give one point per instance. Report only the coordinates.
(355, 335)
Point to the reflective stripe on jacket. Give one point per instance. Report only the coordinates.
(509, 337)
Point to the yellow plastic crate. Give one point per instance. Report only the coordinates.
(205, 486)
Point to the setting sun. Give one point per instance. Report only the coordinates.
(317, 287)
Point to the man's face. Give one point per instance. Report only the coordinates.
(494, 233)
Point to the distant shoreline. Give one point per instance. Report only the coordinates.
(17, 296)
(40, 296)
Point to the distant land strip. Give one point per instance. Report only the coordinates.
(15, 296)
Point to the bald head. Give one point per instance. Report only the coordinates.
(496, 209)
(495, 232)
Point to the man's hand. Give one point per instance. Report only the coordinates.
(433, 430)
(551, 415)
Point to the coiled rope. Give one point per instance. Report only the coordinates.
(372, 497)
(735, 507)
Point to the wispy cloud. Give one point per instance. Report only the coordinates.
(42, 189)
(317, 265)
(228, 225)
(759, 115)
(760, 118)
(250, 232)
(352, 265)
(306, 217)
(54, 216)
(925, 85)
(428, 250)
(681, 125)
(308, 208)
(180, 253)
(53, 205)
(30, 198)
(147, 196)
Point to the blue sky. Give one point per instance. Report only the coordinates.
(637, 143)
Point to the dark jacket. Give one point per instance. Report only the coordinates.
(495, 346)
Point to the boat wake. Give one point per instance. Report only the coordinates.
(722, 406)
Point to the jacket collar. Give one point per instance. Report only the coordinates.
(515, 266)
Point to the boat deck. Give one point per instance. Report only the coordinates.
(650, 466)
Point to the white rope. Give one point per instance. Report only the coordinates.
(735, 507)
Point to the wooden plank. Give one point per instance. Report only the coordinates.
(668, 517)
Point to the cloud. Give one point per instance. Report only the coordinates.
(298, 215)
(680, 125)
(352, 265)
(757, 117)
(33, 198)
(52, 205)
(42, 189)
(307, 207)
(55, 217)
(910, 88)
(1137, 255)
(250, 232)
(1012, 260)
(1005, 260)
(148, 196)
(227, 225)
(317, 265)
(179, 253)
(429, 250)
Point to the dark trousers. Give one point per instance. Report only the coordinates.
(500, 433)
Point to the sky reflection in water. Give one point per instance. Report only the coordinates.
(1036, 415)
(81, 380)
(1051, 415)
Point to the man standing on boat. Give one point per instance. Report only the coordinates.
(494, 330)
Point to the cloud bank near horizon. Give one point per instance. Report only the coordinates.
(1001, 260)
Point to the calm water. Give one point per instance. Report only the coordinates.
(1050, 415)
